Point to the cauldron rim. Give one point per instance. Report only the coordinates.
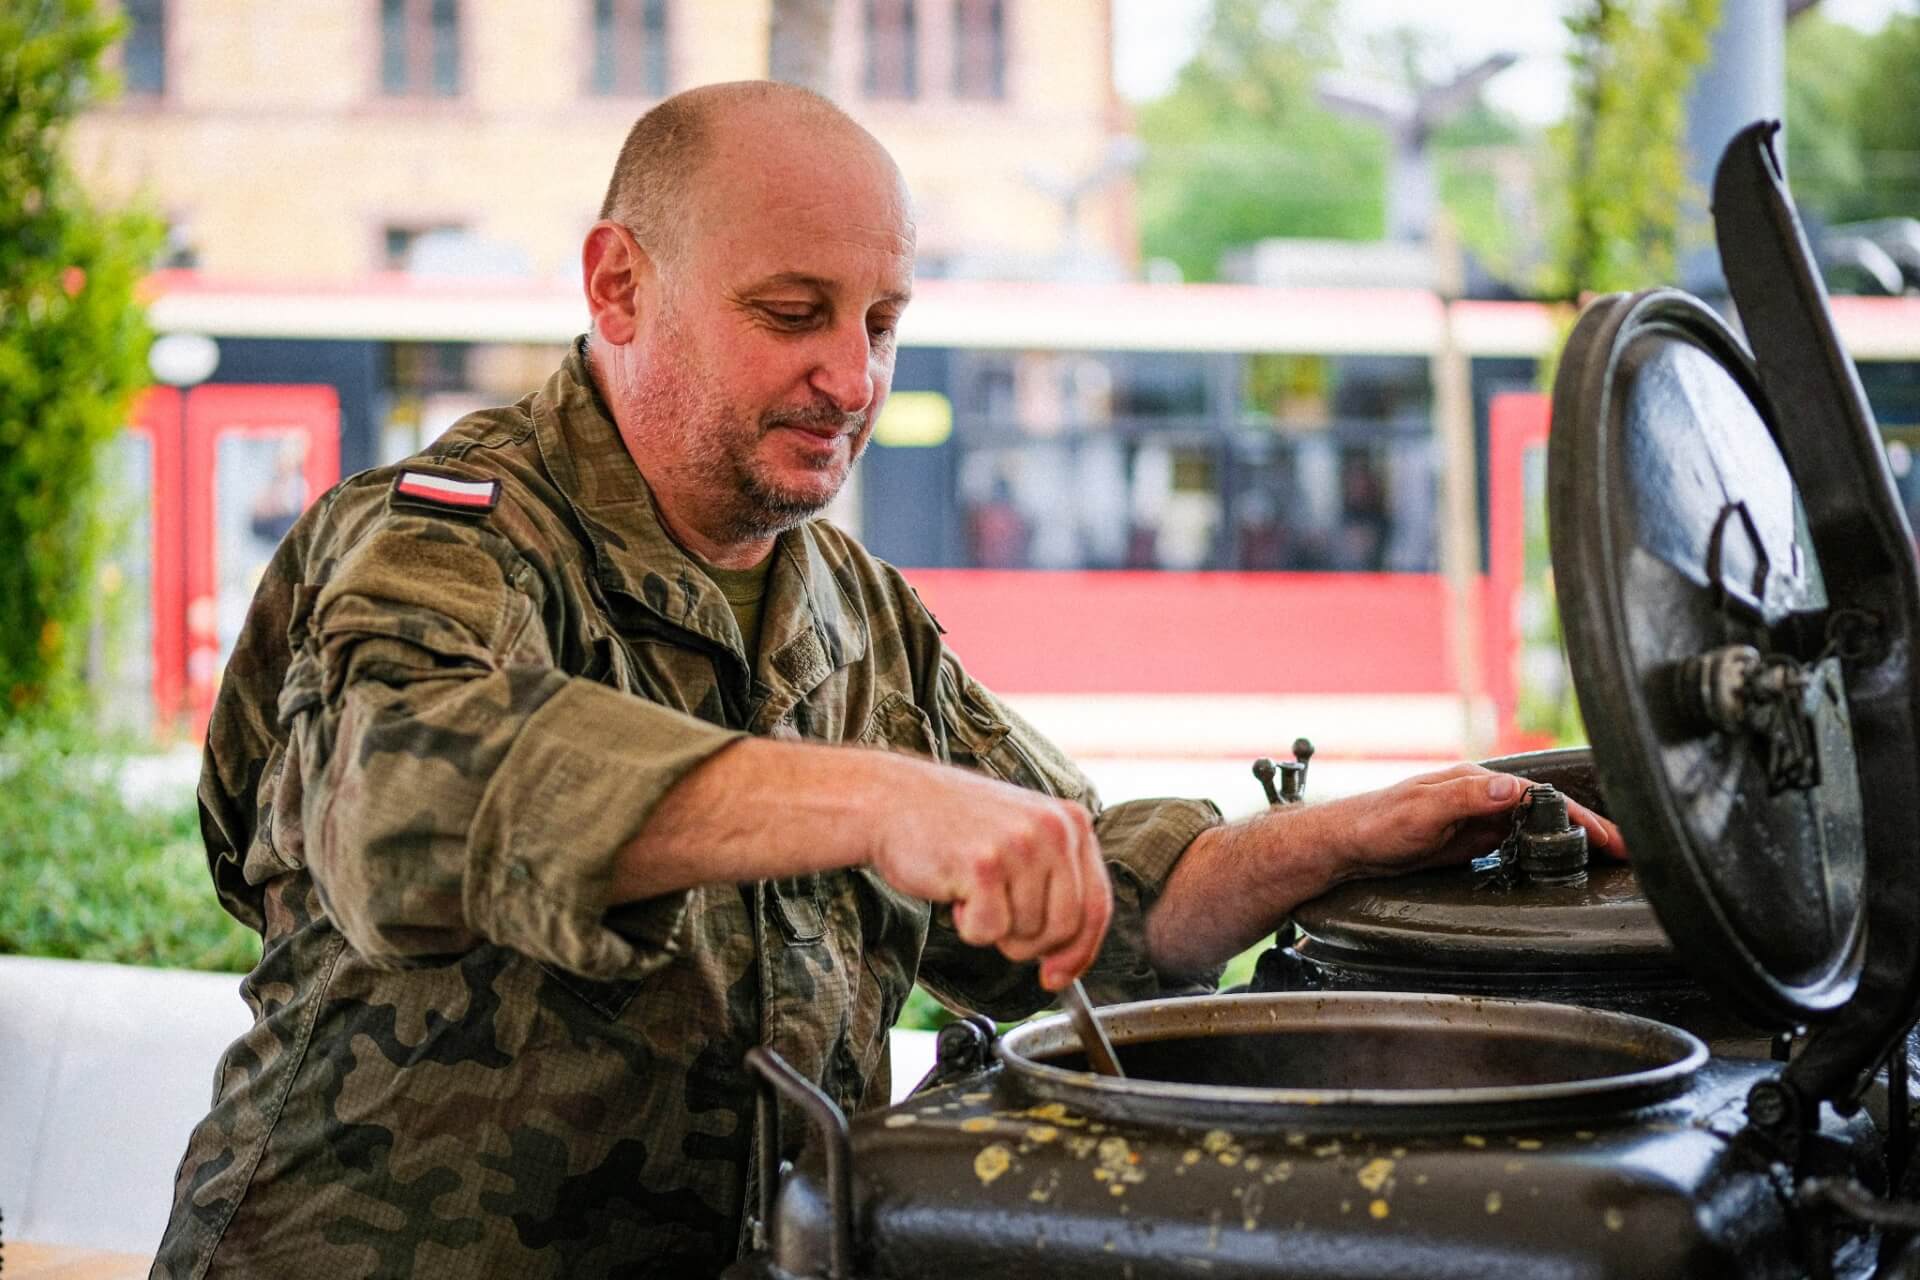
(1672, 1055)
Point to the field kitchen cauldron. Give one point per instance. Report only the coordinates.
(1537, 1066)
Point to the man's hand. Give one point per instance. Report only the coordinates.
(1436, 819)
(1022, 870)
(1236, 882)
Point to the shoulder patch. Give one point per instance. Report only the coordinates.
(437, 492)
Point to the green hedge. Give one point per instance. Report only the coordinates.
(90, 878)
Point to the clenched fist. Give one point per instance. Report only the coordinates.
(1022, 870)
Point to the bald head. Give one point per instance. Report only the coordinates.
(658, 182)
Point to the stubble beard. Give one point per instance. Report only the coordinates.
(717, 451)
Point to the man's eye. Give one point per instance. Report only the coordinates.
(792, 317)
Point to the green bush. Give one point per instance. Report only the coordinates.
(90, 878)
(73, 346)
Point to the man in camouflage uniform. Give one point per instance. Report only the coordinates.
(539, 767)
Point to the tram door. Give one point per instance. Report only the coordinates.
(256, 457)
(136, 661)
(208, 480)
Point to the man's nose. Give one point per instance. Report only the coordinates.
(844, 372)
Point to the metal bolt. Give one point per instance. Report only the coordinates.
(1768, 1104)
(1552, 848)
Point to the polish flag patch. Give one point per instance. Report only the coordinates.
(447, 493)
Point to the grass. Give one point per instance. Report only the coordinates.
(87, 877)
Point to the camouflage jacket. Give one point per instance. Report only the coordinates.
(437, 728)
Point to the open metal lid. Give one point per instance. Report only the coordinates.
(1677, 533)
(1738, 590)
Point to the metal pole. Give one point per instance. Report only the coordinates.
(1459, 495)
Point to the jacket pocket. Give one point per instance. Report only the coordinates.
(609, 999)
(799, 908)
(898, 725)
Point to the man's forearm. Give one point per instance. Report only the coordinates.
(1235, 881)
(761, 809)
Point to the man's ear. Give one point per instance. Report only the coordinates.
(615, 269)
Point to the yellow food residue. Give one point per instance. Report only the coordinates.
(1374, 1174)
(1493, 1202)
(991, 1163)
(1378, 1208)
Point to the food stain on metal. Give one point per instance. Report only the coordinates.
(991, 1163)
(1378, 1209)
(1374, 1174)
(1473, 1140)
(902, 1120)
(1614, 1219)
(1527, 1144)
(1042, 1191)
(1042, 1133)
(976, 1097)
(1055, 1113)
(1331, 1149)
(1493, 1202)
(978, 1124)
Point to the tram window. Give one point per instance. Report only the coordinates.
(143, 54)
(1159, 384)
(629, 48)
(420, 47)
(1179, 461)
(893, 49)
(979, 49)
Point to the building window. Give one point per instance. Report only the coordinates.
(420, 48)
(629, 49)
(893, 49)
(143, 55)
(398, 241)
(979, 49)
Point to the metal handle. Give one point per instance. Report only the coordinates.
(777, 1078)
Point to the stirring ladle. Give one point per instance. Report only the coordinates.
(1092, 1037)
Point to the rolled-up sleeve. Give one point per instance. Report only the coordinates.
(1141, 841)
(457, 787)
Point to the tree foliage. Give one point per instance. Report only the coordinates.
(72, 344)
(1853, 118)
(1241, 150)
(1620, 179)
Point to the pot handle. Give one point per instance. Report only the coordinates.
(776, 1078)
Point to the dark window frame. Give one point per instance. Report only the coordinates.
(422, 51)
(891, 49)
(629, 48)
(143, 49)
(980, 50)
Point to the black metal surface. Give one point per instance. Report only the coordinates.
(1856, 520)
(978, 1179)
(1676, 531)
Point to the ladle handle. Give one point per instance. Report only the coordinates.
(1093, 1038)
